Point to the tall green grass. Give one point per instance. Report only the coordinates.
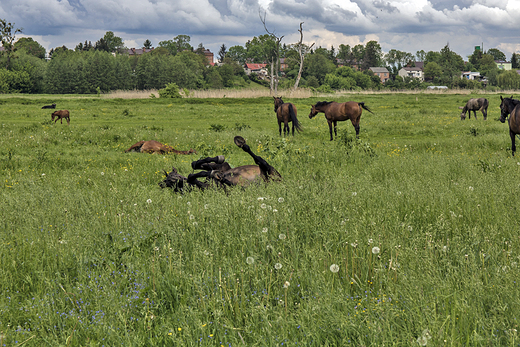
(419, 217)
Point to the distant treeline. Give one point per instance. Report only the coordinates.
(89, 69)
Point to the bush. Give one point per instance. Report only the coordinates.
(170, 91)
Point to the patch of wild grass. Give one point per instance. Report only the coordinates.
(407, 235)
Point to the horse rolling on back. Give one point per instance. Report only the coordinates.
(337, 112)
(480, 104)
(59, 115)
(286, 112)
(510, 106)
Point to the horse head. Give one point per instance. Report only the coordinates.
(277, 102)
(314, 112)
(506, 106)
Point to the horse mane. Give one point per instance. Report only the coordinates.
(323, 103)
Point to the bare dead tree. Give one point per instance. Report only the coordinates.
(275, 58)
(302, 50)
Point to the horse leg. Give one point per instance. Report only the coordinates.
(330, 129)
(280, 127)
(513, 144)
(199, 164)
(286, 128)
(336, 128)
(192, 179)
(475, 114)
(265, 169)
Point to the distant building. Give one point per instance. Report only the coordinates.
(471, 75)
(209, 56)
(412, 72)
(381, 72)
(139, 51)
(504, 65)
(259, 69)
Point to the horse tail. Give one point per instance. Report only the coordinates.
(294, 120)
(362, 104)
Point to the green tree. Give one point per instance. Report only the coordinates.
(497, 54)
(30, 46)
(489, 69)
(147, 44)
(179, 44)
(421, 55)
(7, 37)
(515, 61)
(109, 43)
(372, 56)
(345, 54)
(318, 65)
(237, 53)
(432, 70)
(509, 80)
(213, 79)
(222, 53)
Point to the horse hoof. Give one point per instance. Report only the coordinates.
(215, 174)
(220, 159)
(239, 141)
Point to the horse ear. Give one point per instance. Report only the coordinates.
(501, 98)
(511, 96)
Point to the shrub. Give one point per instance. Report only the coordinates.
(170, 91)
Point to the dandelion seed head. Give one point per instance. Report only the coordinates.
(250, 260)
(334, 268)
(281, 236)
(102, 173)
(375, 250)
(149, 201)
(277, 266)
(264, 230)
(280, 199)
(286, 284)
(354, 193)
(263, 206)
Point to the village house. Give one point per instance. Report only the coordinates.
(139, 51)
(471, 75)
(259, 69)
(381, 72)
(504, 65)
(411, 72)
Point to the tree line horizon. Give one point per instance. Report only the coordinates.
(104, 66)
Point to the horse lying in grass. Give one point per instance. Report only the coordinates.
(49, 106)
(480, 104)
(59, 115)
(220, 172)
(155, 147)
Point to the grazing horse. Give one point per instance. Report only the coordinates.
(216, 169)
(59, 115)
(49, 106)
(286, 112)
(480, 104)
(335, 112)
(511, 106)
(155, 147)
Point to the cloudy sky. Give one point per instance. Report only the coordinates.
(406, 25)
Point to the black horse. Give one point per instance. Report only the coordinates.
(510, 106)
(49, 106)
(216, 169)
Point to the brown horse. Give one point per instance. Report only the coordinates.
(480, 104)
(511, 106)
(155, 147)
(336, 112)
(216, 169)
(59, 115)
(286, 112)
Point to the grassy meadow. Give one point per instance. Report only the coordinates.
(407, 236)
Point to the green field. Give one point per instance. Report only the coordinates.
(420, 215)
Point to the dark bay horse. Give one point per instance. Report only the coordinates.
(510, 106)
(153, 146)
(286, 112)
(216, 169)
(480, 104)
(336, 112)
(59, 115)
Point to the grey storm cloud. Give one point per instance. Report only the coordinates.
(398, 24)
